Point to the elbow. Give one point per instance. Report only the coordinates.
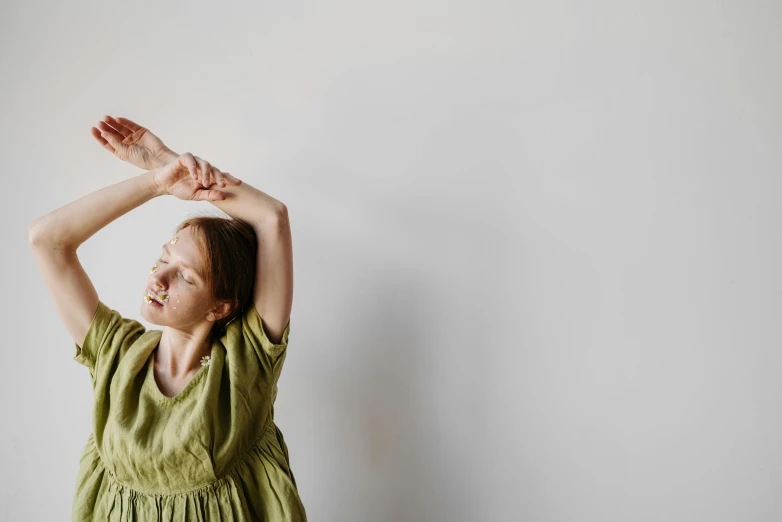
(275, 220)
(279, 215)
(33, 232)
(281, 219)
(39, 236)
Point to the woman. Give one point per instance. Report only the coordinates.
(183, 418)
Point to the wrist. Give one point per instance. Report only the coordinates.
(154, 189)
(165, 158)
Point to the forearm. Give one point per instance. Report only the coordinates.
(249, 204)
(243, 201)
(71, 225)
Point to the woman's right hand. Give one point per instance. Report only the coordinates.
(189, 177)
(133, 143)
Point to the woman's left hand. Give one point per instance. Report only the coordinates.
(189, 177)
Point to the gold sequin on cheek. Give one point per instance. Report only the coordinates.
(174, 240)
(152, 270)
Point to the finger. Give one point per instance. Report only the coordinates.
(210, 195)
(121, 129)
(105, 144)
(206, 171)
(232, 180)
(107, 129)
(218, 176)
(106, 126)
(190, 163)
(201, 172)
(116, 144)
(133, 126)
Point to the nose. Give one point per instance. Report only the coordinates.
(157, 284)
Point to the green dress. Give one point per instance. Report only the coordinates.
(212, 452)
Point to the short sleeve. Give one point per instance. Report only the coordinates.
(252, 328)
(109, 337)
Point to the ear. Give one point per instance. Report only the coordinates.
(222, 309)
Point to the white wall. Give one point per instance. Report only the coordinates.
(536, 249)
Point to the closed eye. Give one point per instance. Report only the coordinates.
(180, 273)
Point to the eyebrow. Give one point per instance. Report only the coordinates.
(165, 247)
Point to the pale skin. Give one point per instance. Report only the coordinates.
(56, 236)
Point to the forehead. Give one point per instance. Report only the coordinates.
(175, 250)
(184, 246)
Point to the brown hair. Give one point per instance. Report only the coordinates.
(229, 248)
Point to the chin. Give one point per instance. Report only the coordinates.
(150, 314)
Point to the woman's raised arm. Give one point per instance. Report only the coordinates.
(55, 237)
(273, 291)
(71, 225)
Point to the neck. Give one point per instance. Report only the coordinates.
(179, 355)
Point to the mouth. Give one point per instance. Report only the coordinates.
(153, 300)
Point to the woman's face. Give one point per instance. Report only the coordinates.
(178, 281)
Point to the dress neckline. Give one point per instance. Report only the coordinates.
(152, 383)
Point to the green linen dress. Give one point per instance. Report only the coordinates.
(212, 452)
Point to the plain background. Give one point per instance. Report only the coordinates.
(536, 248)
